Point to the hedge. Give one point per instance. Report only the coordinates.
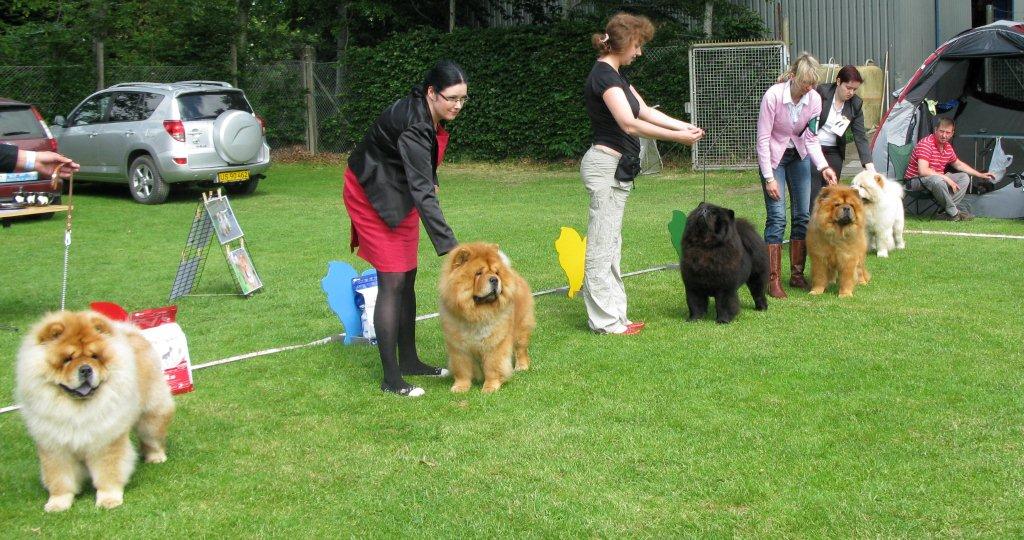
(525, 83)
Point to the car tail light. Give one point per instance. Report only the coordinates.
(263, 128)
(181, 160)
(46, 129)
(175, 129)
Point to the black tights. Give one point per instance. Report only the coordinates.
(394, 321)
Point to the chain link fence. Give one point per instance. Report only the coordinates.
(1006, 77)
(277, 91)
(727, 82)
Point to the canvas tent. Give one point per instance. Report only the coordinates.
(976, 78)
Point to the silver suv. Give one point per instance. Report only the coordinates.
(153, 135)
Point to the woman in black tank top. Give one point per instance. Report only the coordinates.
(618, 117)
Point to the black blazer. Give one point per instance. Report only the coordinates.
(8, 158)
(396, 163)
(852, 109)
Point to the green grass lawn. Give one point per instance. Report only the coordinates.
(899, 412)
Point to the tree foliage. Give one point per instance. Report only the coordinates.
(525, 81)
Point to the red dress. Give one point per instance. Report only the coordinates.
(387, 249)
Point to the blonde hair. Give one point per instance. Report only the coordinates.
(803, 69)
(622, 31)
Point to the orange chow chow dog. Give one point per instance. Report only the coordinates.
(486, 314)
(84, 383)
(836, 240)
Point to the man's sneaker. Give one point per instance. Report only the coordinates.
(942, 216)
(964, 215)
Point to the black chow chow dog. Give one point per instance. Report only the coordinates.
(720, 253)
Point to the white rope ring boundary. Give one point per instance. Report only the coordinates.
(969, 235)
(339, 337)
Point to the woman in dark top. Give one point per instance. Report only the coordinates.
(618, 116)
(390, 186)
(841, 110)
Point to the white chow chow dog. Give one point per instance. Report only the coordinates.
(84, 383)
(883, 203)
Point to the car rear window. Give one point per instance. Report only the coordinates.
(19, 123)
(209, 105)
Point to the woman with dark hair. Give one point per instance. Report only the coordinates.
(841, 109)
(618, 116)
(390, 186)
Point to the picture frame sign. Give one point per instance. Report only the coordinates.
(223, 218)
(244, 270)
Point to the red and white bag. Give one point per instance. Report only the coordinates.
(158, 326)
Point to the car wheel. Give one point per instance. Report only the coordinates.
(243, 188)
(145, 182)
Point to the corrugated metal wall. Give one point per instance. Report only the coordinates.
(852, 31)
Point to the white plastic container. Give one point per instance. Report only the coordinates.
(365, 292)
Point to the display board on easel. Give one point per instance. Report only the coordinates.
(214, 216)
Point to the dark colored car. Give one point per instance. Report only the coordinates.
(23, 126)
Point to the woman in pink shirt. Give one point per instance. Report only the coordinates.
(786, 146)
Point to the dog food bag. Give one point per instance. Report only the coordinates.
(168, 339)
(158, 326)
(365, 289)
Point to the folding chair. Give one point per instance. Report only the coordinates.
(918, 201)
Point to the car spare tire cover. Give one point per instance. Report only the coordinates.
(237, 136)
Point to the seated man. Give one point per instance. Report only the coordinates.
(927, 168)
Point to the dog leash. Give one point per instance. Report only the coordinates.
(67, 231)
(704, 165)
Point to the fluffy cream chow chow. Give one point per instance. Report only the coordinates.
(836, 241)
(486, 315)
(84, 382)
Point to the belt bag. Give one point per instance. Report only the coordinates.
(629, 167)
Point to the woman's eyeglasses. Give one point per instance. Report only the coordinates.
(459, 100)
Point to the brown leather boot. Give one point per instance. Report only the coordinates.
(775, 271)
(797, 258)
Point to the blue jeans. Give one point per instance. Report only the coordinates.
(793, 174)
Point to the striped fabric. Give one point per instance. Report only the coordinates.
(928, 150)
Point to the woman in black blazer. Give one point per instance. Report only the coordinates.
(390, 187)
(841, 110)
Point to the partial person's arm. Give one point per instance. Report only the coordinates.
(415, 146)
(814, 146)
(617, 104)
(14, 159)
(8, 158)
(925, 169)
(659, 118)
(963, 167)
(765, 125)
(860, 134)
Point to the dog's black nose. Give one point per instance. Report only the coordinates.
(494, 281)
(84, 371)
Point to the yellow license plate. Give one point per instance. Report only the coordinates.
(233, 176)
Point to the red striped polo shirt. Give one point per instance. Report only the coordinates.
(928, 150)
